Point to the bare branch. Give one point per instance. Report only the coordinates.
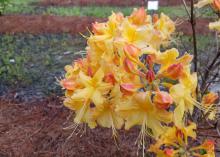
(185, 6)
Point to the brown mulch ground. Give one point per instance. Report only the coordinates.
(35, 24)
(43, 24)
(107, 2)
(36, 129)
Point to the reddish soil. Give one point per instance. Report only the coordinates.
(44, 24)
(36, 129)
(57, 24)
(107, 2)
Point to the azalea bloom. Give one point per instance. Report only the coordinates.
(215, 25)
(174, 142)
(162, 100)
(125, 80)
(140, 110)
(184, 101)
(214, 3)
(203, 3)
(209, 98)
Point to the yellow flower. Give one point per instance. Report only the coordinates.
(174, 142)
(165, 25)
(138, 17)
(203, 3)
(182, 96)
(209, 148)
(209, 98)
(93, 91)
(215, 25)
(208, 101)
(139, 110)
(106, 116)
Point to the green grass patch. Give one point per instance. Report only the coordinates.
(105, 11)
(35, 60)
(184, 43)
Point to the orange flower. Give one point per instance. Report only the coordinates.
(128, 88)
(208, 145)
(119, 16)
(216, 5)
(90, 72)
(69, 84)
(150, 59)
(138, 17)
(128, 66)
(162, 100)
(155, 18)
(132, 50)
(174, 71)
(98, 28)
(169, 152)
(110, 78)
(210, 98)
(150, 76)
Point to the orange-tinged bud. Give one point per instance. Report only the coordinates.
(150, 76)
(179, 134)
(132, 50)
(98, 28)
(169, 152)
(210, 98)
(208, 145)
(150, 59)
(138, 17)
(162, 100)
(109, 78)
(155, 18)
(128, 65)
(90, 71)
(127, 88)
(69, 84)
(119, 17)
(216, 5)
(174, 71)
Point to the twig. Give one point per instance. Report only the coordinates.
(185, 6)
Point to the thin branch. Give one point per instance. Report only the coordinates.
(185, 6)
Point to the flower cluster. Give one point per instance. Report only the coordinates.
(175, 142)
(126, 81)
(215, 4)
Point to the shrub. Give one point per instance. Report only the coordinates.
(3, 5)
(126, 81)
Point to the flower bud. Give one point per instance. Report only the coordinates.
(69, 84)
(138, 17)
(109, 78)
(90, 72)
(174, 71)
(169, 152)
(150, 60)
(128, 65)
(127, 88)
(98, 28)
(209, 99)
(150, 76)
(216, 5)
(132, 50)
(155, 18)
(162, 100)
